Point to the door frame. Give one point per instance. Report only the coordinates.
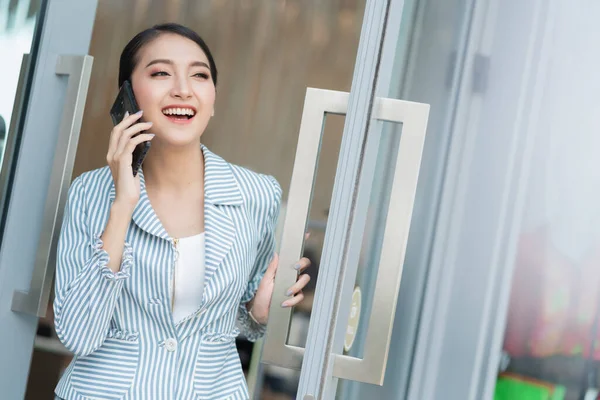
(61, 34)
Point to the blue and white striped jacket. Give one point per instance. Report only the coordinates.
(120, 326)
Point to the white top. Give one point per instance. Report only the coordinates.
(189, 276)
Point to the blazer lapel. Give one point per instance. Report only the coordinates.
(221, 192)
(219, 235)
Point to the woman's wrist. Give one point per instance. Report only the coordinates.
(258, 319)
(253, 318)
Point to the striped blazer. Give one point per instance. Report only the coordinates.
(120, 326)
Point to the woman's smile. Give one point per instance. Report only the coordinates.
(179, 114)
(173, 84)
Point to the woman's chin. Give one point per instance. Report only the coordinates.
(174, 141)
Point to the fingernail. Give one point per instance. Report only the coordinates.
(126, 114)
(284, 305)
(297, 266)
(288, 293)
(151, 123)
(139, 112)
(151, 134)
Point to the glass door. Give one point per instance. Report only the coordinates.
(338, 309)
(428, 69)
(45, 75)
(511, 308)
(543, 337)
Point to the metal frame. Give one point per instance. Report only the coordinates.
(371, 369)
(79, 70)
(317, 103)
(413, 116)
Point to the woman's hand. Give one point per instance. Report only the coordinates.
(262, 300)
(120, 156)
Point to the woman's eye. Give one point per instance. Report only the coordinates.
(160, 73)
(202, 75)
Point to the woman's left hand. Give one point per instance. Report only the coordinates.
(262, 300)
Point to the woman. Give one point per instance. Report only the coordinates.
(154, 272)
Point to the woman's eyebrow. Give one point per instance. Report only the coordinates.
(199, 64)
(159, 61)
(170, 62)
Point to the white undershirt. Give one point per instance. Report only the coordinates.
(189, 276)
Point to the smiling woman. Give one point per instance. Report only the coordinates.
(159, 268)
(174, 77)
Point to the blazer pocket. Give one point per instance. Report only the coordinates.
(218, 372)
(108, 372)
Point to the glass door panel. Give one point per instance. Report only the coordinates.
(551, 338)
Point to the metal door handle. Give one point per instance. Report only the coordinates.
(317, 102)
(414, 117)
(78, 69)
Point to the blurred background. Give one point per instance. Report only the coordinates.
(268, 53)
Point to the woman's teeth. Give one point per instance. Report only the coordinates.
(179, 112)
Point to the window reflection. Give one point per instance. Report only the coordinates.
(17, 27)
(552, 339)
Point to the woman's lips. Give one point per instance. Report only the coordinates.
(179, 120)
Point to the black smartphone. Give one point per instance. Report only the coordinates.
(125, 102)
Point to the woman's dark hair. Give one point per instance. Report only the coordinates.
(129, 56)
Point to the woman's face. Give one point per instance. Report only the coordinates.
(173, 86)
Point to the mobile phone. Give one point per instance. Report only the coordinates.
(125, 102)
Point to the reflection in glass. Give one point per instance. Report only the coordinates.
(17, 28)
(2, 132)
(551, 344)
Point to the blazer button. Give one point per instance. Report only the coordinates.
(171, 344)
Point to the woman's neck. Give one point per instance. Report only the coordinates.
(174, 169)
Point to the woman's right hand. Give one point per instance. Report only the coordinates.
(120, 156)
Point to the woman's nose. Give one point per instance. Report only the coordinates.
(181, 89)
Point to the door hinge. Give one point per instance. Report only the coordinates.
(481, 72)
